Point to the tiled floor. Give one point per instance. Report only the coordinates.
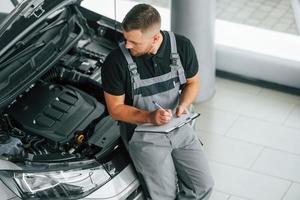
(275, 15)
(252, 140)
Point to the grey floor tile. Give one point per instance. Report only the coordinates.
(244, 183)
(237, 198)
(280, 96)
(269, 23)
(292, 31)
(243, 15)
(223, 5)
(257, 106)
(224, 1)
(270, 3)
(237, 20)
(293, 193)
(266, 26)
(294, 118)
(266, 8)
(227, 16)
(277, 12)
(252, 22)
(281, 27)
(214, 120)
(232, 9)
(217, 195)
(279, 164)
(284, 4)
(238, 4)
(289, 15)
(285, 20)
(229, 151)
(254, 4)
(266, 134)
(224, 84)
(259, 15)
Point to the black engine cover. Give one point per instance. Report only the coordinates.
(55, 112)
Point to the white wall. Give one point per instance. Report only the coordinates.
(258, 53)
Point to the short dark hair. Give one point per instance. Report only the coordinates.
(141, 16)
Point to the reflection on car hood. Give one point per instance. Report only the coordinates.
(32, 37)
(25, 14)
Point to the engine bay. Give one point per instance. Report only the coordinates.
(62, 116)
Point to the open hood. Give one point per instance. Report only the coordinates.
(32, 38)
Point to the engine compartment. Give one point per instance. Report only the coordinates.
(59, 112)
(62, 116)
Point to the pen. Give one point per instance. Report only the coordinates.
(159, 106)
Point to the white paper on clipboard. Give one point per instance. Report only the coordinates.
(175, 123)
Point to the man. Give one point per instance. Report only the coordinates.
(154, 66)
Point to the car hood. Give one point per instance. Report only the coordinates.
(32, 38)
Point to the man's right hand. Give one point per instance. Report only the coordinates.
(120, 111)
(161, 116)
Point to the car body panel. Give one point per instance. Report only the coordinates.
(119, 188)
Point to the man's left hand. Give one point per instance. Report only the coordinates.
(180, 110)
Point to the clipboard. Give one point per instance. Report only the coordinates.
(175, 123)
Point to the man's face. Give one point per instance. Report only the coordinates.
(139, 43)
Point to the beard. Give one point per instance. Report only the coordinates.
(141, 53)
(136, 54)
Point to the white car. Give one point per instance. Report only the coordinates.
(57, 140)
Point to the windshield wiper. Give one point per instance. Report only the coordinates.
(42, 30)
(22, 53)
(48, 27)
(45, 27)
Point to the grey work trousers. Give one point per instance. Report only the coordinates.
(167, 159)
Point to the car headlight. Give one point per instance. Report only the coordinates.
(61, 184)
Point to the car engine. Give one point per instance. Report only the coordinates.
(62, 116)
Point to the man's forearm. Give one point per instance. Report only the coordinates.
(188, 95)
(189, 92)
(130, 114)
